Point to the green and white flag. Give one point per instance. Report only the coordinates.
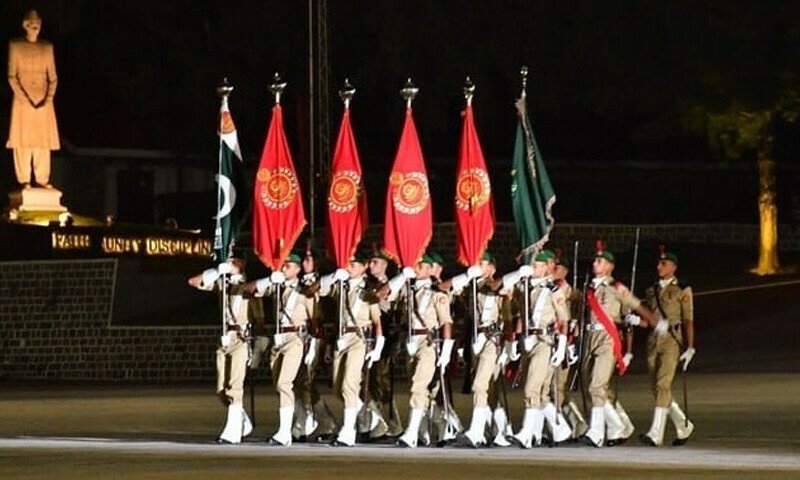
(227, 178)
(532, 195)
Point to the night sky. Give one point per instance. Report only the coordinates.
(611, 80)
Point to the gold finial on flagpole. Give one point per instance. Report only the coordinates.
(276, 87)
(224, 89)
(408, 92)
(347, 92)
(469, 90)
(524, 74)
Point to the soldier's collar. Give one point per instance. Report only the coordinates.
(291, 283)
(670, 281)
(423, 283)
(604, 280)
(237, 278)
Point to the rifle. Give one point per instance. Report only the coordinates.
(577, 375)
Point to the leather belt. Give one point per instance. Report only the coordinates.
(535, 331)
(420, 331)
(350, 329)
(293, 329)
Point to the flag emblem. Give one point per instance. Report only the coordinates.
(343, 194)
(280, 186)
(226, 125)
(472, 189)
(411, 192)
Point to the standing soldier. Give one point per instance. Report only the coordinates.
(294, 313)
(232, 355)
(359, 325)
(674, 330)
(542, 352)
(606, 299)
(429, 309)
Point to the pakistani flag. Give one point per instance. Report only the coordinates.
(532, 196)
(227, 217)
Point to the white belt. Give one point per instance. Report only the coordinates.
(595, 327)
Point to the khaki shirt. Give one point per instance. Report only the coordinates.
(362, 308)
(613, 297)
(554, 307)
(237, 309)
(300, 313)
(431, 306)
(676, 302)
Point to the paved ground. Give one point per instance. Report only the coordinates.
(747, 421)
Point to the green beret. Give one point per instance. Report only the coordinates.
(669, 256)
(294, 257)
(541, 257)
(563, 261)
(427, 259)
(489, 257)
(607, 255)
(551, 255)
(360, 257)
(378, 253)
(435, 257)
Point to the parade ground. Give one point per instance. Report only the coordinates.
(743, 397)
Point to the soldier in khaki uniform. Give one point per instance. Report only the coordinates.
(606, 299)
(486, 348)
(674, 330)
(32, 75)
(430, 317)
(295, 311)
(541, 351)
(232, 355)
(360, 324)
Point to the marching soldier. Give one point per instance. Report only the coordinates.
(294, 312)
(673, 330)
(359, 325)
(232, 355)
(606, 299)
(430, 318)
(486, 348)
(381, 382)
(542, 352)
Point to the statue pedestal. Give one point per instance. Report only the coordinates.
(36, 200)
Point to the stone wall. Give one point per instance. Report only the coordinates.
(57, 315)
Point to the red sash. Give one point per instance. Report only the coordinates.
(610, 327)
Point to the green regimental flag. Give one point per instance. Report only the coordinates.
(228, 178)
(532, 195)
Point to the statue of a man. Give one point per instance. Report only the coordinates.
(32, 76)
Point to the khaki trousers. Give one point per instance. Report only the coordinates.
(424, 364)
(41, 164)
(536, 385)
(305, 386)
(347, 365)
(662, 361)
(285, 363)
(485, 365)
(231, 370)
(600, 361)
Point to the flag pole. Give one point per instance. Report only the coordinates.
(347, 93)
(409, 92)
(223, 90)
(276, 88)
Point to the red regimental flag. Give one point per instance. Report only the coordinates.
(347, 200)
(474, 205)
(278, 215)
(409, 220)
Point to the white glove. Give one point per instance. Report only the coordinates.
(209, 277)
(342, 342)
(572, 355)
(412, 345)
(262, 284)
(311, 354)
(224, 268)
(525, 271)
(626, 359)
(502, 359)
(478, 344)
(474, 272)
(397, 282)
(447, 352)
(530, 342)
(341, 275)
(325, 284)
(661, 327)
(277, 340)
(408, 273)
(459, 282)
(226, 339)
(512, 351)
(375, 354)
(632, 319)
(277, 277)
(561, 348)
(687, 357)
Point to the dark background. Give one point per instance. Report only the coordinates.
(614, 84)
